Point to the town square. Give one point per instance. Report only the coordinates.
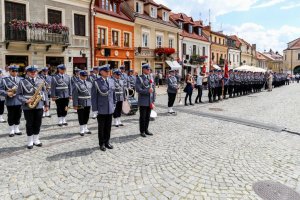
(149, 99)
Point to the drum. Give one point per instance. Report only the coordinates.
(130, 107)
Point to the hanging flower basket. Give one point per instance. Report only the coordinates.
(23, 25)
(167, 51)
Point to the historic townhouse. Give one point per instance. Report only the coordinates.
(219, 49)
(248, 53)
(234, 51)
(275, 61)
(45, 33)
(291, 56)
(194, 46)
(113, 35)
(261, 61)
(155, 35)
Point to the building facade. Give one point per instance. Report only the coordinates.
(234, 52)
(248, 53)
(275, 61)
(219, 49)
(261, 61)
(155, 35)
(291, 57)
(113, 35)
(45, 33)
(194, 46)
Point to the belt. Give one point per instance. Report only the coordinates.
(86, 97)
(61, 88)
(119, 92)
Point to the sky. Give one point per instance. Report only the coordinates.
(270, 24)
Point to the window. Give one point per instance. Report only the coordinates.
(54, 16)
(145, 40)
(158, 41)
(14, 11)
(180, 24)
(233, 58)
(203, 51)
(153, 12)
(190, 28)
(114, 7)
(171, 42)
(298, 56)
(219, 40)
(102, 36)
(165, 16)
(184, 49)
(138, 7)
(79, 25)
(237, 58)
(115, 38)
(194, 49)
(215, 39)
(126, 40)
(213, 56)
(199, 31)
(223, 41)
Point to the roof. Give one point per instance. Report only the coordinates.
(295, 44)
(182, 17)
(237, 40)
(151, 2)
(218, 33)
(273, 56)
(260, 56)
(120, 15)
(194, 36)
(164, 7)
(199, 23)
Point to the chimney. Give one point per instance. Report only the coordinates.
(254, 47)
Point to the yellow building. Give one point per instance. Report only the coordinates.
(219, 49)
(155, 35)
(274, 61)
(291, 57)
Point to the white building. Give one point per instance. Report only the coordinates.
(35, 40)
(194, 46)
(234, 51)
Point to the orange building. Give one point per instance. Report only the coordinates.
(113, 35)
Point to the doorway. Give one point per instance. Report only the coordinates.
(52, 62)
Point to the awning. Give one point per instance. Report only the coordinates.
(173, 65)
(216, 67)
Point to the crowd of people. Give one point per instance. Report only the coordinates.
(104, 91)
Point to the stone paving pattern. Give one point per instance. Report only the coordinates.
(189, 157)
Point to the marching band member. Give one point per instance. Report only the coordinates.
(45, 76)
(237, 83)
(94, 75)
(2, 102)
(103, 102)
(131, 79)
(124, 77)
(211, 86)
(81, 93)
(28, 87)
(8, 88)
(61, 93)
(172, 91)
(146, 90)
(120, 97)
(219, 78)
(75, 78)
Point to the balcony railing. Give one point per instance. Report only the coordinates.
(36, 35)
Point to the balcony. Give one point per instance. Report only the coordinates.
(36, 33)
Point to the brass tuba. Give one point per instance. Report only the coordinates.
(37, 97)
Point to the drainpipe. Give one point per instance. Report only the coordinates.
(91, 19)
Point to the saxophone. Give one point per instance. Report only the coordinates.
(36, 98)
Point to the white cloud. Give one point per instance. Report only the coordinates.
(290, 6)
(269, 3)
(264, 38)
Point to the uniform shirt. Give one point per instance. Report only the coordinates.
(172, 85)
(8, 83)
(119, 89)
(142, 87)
(61, 86)
(81, 93)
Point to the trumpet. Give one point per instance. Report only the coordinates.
(12, 91)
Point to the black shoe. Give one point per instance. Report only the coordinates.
(38, 145)
(121, 124)
(65, 124)
(20, 133)
(49, 116)
(210, 101)
(3, 122)
(60, 125)
(11, 135)
(148, 133)
(102, 147)
(109, 146)
(191, 104)
(29, 147)
(89, 132)
(81, 134)
(196, 102)
(143, 135)
(186, 104)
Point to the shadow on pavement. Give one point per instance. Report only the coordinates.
(10, 150)
(60, 136)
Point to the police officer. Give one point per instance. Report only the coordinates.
(33, 116)
(237, 83)
(103, 101)
(81, 93)
(8, 89)
(219, 85)
(2, 102)
(131, 79)
(230, 83)
(75, 78)
(146, 90)
(211, 86)
(45, 77)
(172, 91)
(94, 75)
(124, 77)
(120, 97)
(61, 93)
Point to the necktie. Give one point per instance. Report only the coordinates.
(32, 80)
(85, 83)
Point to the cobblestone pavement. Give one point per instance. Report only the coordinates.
(189, 157)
